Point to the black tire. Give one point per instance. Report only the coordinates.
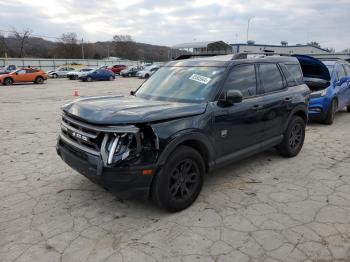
(172, 188)
(55, 76)
(147, 76)
(111, 78)
(8, 82)
(39, 80)
(89, 79)
(293, 139)
(348, 109)
(329, 117)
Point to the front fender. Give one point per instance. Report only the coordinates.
(184, 136)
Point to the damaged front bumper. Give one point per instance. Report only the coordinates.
(112, 157)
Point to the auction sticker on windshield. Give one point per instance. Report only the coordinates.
(200, 79)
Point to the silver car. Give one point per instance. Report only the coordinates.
(61, 72)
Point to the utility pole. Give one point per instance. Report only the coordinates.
(248, 27)
(82, 48)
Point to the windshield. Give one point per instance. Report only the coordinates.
(181, 84)
(330, 69)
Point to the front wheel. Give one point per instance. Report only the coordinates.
(111, 78)
(293, 139)
(329, 118)
(348, 108)
(89, 79)
(55, 76)
(180, 180)
(8, 81)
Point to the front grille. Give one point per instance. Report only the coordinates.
(81, 134)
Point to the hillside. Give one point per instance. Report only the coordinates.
(40, 48)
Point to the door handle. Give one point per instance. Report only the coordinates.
(256, 107)
(288, 99)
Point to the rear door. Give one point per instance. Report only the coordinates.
(277, 102)
(30, 75)
(241, 125)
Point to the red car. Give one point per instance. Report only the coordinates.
(117, 68)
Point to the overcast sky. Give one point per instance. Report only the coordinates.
(169, 22)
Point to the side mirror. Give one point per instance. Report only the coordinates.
(231, 97)
(343, 80)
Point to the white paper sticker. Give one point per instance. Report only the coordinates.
(200, 79)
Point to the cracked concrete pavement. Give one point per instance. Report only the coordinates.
(265, 208)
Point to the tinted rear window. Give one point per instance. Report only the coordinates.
(292, 73)
(270, 78)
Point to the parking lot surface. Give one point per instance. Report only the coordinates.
(265, 208)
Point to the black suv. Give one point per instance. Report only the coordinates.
(189, 118)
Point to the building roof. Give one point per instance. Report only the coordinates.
(207, 44)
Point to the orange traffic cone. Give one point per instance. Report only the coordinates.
(75, 92)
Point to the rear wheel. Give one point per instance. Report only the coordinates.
(147, 76)
(180, 180)
(89, 79)
(8, 81)
(329, 118)
(39, 80)
(111, 78)
(293, 139)
(348, 108)
(55, 76)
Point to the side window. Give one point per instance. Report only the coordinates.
(347, 70)
(270, 78)
(295, 74)
(242, 78)
(29, 71)
(21, 72)
(340, 72)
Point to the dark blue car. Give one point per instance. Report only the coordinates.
(98, 75)
(329, 82)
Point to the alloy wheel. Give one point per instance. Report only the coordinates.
(295, 136)
(183, 180)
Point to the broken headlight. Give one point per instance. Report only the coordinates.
(119, 146)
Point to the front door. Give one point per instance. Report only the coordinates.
(341, 89)
(239, 126)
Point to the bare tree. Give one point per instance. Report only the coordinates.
(68, 45)
(22, 38)
(123, 38)
(314, 43)
(3, 45)
(125, 47)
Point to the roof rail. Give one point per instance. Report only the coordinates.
(182, 57)
(245, 55)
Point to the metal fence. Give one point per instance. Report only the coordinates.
(51, 64)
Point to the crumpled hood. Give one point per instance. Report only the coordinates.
(113, 110)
